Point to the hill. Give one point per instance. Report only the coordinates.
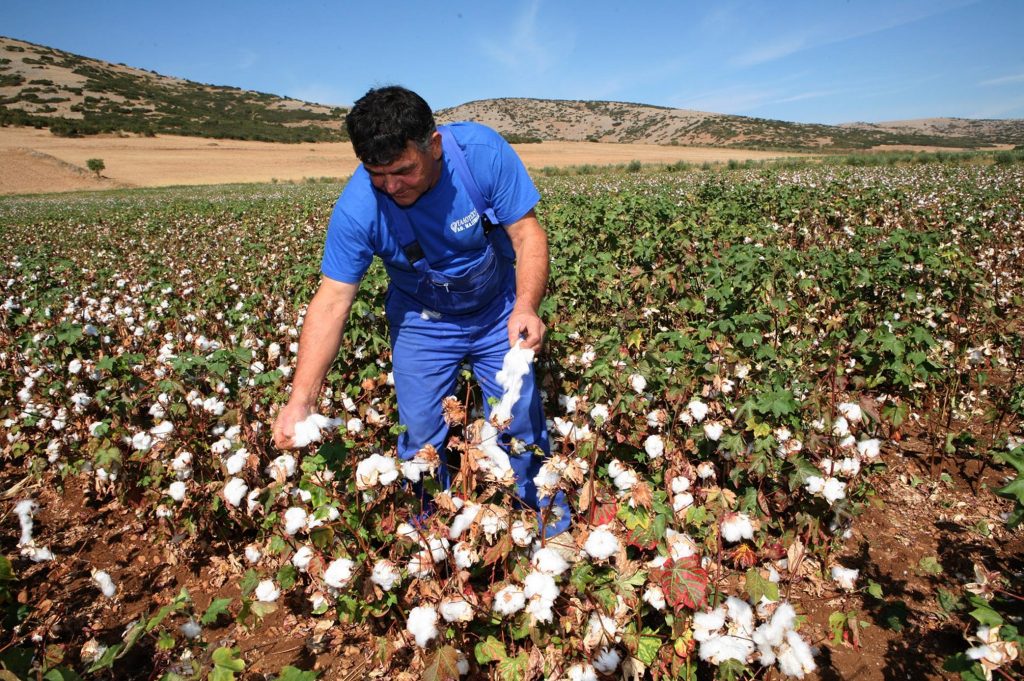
(596, 121)
(74, 95)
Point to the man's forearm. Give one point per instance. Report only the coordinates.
(321, 338)
(531, 265)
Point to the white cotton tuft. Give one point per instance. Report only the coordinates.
(385, 574)
(177, 490)
(308, 431)
(599, 413)
(509, 600)
(338, 573)
(282, 467)
(463, 520)
(234, 491)
(798, 659)
(267, 592)
(514, 367)
(581, 672)
(104, 582)
(713, 430)
(422, 624)
(302, 558)
(25, 509)
(374, 470)
(851, 410)
(549, 561)
(601, 544)
(456, 609)
(601, 629)
(607, 660)
(654, 446)
(522, 535)
(698, 410)
(846, 578)
(655, 597)
(253, 553)
(638, 383)
(869, 449)
(295, 519)
(736, 527)
(191, 629)
(834, 490)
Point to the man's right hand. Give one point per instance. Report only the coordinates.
(284, 425)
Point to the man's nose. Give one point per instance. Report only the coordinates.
(391, 184)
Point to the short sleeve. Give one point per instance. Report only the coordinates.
(501, 175)
(347, 249)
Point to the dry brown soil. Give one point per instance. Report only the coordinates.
(36, 161)
(915, 514)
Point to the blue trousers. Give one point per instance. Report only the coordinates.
(428, 351)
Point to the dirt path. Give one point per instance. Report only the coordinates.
(35, 161)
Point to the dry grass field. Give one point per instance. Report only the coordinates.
(35, 161)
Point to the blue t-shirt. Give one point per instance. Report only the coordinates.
(444, 220)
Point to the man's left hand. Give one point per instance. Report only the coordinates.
(525, 325)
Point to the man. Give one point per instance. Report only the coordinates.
(455, 294)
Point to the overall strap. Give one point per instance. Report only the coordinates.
(454, 152)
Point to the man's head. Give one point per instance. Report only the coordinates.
(393, 133)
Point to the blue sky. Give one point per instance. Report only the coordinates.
(825, 61)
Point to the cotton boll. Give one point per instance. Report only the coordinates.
(814, 484)
(601, 544)
(191, 629)
(236, 462)
(607, 660)
(834, 490)
(338, 573)
(581, 672)
(37, 554)
(456, 609)
(267, 592)
(463, 520)
(295, 519)
(852, 411)
(234, 490)
(385, 575)
(736, 527)
(281, 468)
(354, 426)
(509, 600)
(25, 509)
(841, 427)
(104, 582)
(422, 624)
(706, 624)
(302, 558)
(599, 413)
(654, 446)
(600, 629)
(177, 490)
(162, 431)
(869, 449)
(464, 556)
(655, 597)
(798, 659)
(549, 561)
(252, 553)
(521, 534)
(846, 578)
(713, 430)
(567, 403)
(142, 441)
(698, 410)
(638, 383)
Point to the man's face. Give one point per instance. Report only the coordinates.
(410, 175)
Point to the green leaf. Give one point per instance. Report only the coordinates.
(290, 673)
(930, 565)
(757, 586)
(250, 580)
(286, 576)
(875, 589)
(218, 607)
(62, 674)
(986, 616)
(443, 666)
(226, 662)
(6, 570)
(106, 660)
(489, 650)
(513, 668)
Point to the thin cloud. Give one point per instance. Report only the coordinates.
(832, 34)
(1004, 80)
(525, 49)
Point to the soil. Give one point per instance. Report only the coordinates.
(918, 511)
(36, 161)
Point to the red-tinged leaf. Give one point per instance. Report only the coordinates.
(743, 557)
(684, 583)
(513, 668)
(444, 666)
(604, 512)
(644, 538)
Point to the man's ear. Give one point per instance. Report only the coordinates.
(435, 145)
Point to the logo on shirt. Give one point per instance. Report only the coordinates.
(466, 222)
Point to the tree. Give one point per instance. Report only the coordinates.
(96, 165)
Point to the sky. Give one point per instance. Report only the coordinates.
(810, 61)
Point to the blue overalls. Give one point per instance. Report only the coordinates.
(451, 320)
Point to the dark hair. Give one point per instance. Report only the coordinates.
(385, 120)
